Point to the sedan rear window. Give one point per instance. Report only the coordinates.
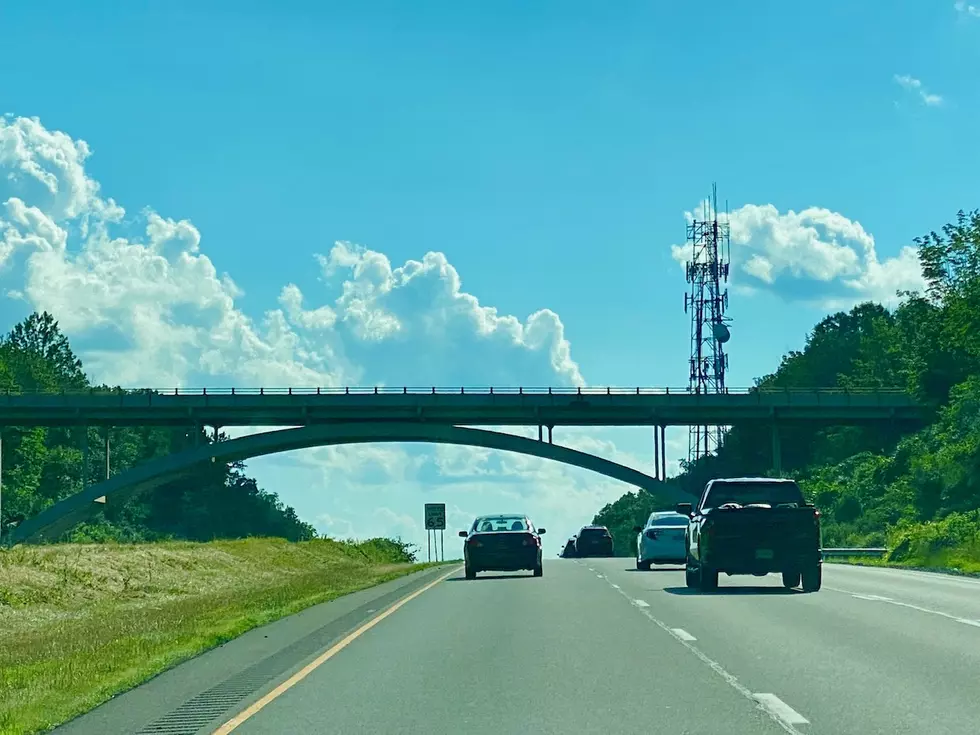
(501, 523)
(669, 521)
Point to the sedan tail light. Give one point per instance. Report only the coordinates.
(652, 534)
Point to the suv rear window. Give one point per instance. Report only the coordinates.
(593, 533)
(745, 493)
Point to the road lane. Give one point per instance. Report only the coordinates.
(514, 653)
(847, 664)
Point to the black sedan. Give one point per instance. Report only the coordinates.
(502, 543)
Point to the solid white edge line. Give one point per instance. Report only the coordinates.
(966, 621)
(781, 710)
(682, 634)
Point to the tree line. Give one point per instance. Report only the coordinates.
(42, 465)
(917, 492)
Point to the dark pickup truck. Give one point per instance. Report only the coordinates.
(753, 525)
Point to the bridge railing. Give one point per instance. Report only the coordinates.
(455, 390)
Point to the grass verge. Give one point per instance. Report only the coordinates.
(81, 623)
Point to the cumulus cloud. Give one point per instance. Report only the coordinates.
(144, 305)
(815, 256)
(966, 9)
(914, 86)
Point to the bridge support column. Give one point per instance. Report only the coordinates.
(84, 456)
(540, 433)
(656, 453)
(107, 465)
(549, 434)
(777, 458)
(663, 453)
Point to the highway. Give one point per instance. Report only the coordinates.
(595, 646)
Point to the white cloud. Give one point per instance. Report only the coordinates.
(815, 256)
(966, 9)
(914, 86)
(143, 305)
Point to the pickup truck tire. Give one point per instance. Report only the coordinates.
(470, 573)
(812, 578)
(791, 580)
(691, 577)
(707, 578)
(642, 566)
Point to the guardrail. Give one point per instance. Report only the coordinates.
(454, 390)
(854, 552)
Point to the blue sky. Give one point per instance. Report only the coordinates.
(544, 153)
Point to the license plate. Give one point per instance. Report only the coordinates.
(763, 553)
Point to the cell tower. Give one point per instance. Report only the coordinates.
(707, 270)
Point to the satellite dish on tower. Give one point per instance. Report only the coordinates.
(722, 332)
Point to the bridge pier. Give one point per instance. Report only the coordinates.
(84, 456)
(107, 466)
(549, 434)
(540, 433)
(777, 459)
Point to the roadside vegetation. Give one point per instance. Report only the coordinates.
(147, 583)
(917, 494)
(83, 622)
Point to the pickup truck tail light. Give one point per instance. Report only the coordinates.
(474, 541)
(531, 541)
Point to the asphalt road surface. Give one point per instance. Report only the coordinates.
(597, 647)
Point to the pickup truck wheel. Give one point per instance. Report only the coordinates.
(708, 578)
(470, 572)
(642, 566)
(538, 571)
(791, 580)
(691, 577)
(812, 578)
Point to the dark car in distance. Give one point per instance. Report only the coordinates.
(569, 551)
(502, 543)
(593, 541)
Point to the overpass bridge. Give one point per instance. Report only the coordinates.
(332, 416)
(467, 406)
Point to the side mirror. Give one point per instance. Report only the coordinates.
(463, 534)
(637, 529)
(542, 531)
(685, 509)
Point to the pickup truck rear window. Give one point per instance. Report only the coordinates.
(745, 493)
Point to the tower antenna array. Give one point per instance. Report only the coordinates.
(706, 272)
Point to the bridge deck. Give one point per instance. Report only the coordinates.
(459, 406)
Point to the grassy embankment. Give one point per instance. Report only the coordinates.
(80, 623)
(950, 545)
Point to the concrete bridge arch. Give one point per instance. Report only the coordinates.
(60, 517)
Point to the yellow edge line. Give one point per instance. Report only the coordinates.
(292, 681)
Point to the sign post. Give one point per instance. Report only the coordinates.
(435, 520)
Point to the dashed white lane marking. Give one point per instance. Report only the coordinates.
(890, 601)
(780, 709)
(616, 587)
(599, 576)
(730, 679)
(682, 634)
(641, 603)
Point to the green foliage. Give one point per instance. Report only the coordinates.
(918, 492)
(44, 465)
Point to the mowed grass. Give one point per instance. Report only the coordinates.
(80, 623)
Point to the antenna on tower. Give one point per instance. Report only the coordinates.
(710, 240)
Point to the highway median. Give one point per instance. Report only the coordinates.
(81, 623)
